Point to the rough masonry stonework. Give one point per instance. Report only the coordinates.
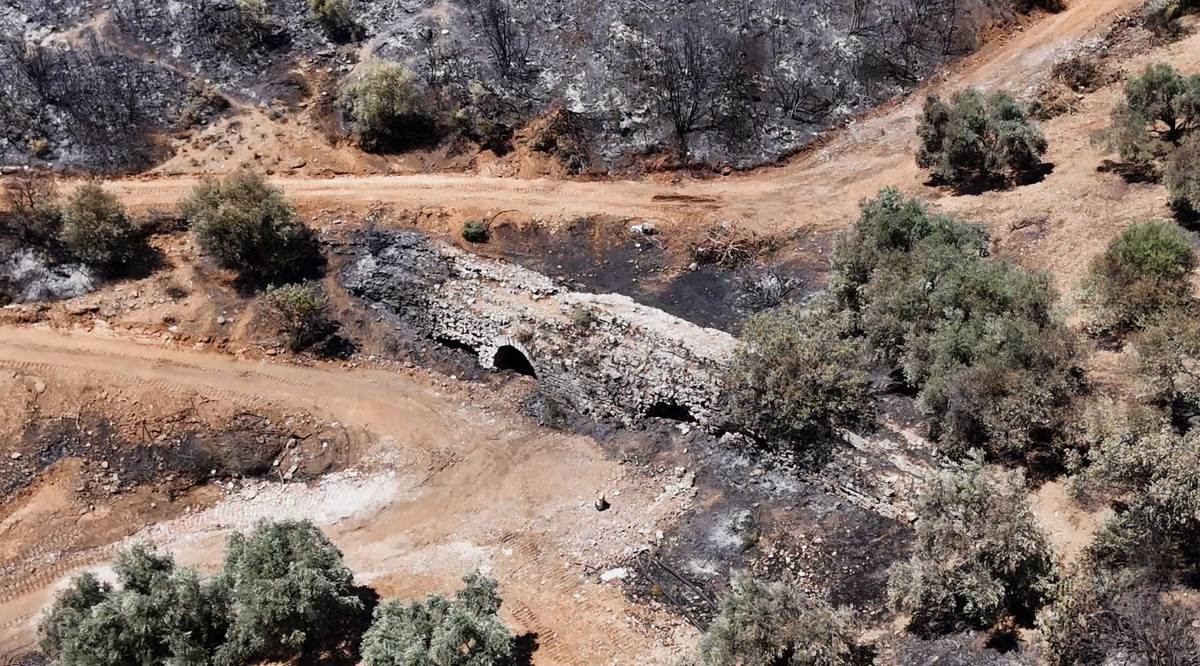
(603, 353)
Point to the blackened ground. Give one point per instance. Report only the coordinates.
(602, 255)
(965, 649)
(751, 514)
(186, 452)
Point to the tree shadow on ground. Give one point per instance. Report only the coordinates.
(1130, 173)
(524, 647)
(983, 185)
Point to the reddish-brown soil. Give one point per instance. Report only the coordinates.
(440, 475)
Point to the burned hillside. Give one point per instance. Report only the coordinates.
(715, 82)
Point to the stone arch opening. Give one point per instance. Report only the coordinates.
(670, 410)
(509, 357)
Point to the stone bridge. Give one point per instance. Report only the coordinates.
(602, 353)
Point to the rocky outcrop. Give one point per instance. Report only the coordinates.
(603, 353)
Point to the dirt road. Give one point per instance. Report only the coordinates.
(820, 188)
(454, 482)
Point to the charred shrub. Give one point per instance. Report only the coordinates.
(978, 140)
(34, 215)
(979, 554)
(1162, 17)
(1080, 72)
(96, 230)
(88, 101)
(245, 224)
(203, 104)
(336, 17)
(1143, 273)
(1099, 618)
(385, 108)
(1048, 5)
(564, 136)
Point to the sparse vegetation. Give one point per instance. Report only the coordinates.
(464, 630)
(245, 224)
(979, 554)
(383, 105)
(777, 624)
(303, 312)
(799, 376)
(1143, 273)
(34, 215)
(979, 139)
(96, 230)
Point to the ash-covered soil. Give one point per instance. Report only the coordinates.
(101, 87)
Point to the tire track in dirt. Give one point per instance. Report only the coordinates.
(544, 573)
(207, 391)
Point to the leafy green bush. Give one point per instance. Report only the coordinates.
(303, 311)
(288, 591)
(978, 555)
(1137, 457)
(798, 376)
(977, 338)
(1183, 177)
(1143, 273)
(384, 107)
(475, 231)
(336, 17)
(1167, 354)
(772, 624)
(245, 224)
(979, 139)
(1161, 108)
(465, 630)
(159, 614)
(283, 592)
(96, 230)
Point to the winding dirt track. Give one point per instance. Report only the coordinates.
(511, 494)
(448, 488)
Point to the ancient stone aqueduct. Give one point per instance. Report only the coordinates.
(602, 353)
